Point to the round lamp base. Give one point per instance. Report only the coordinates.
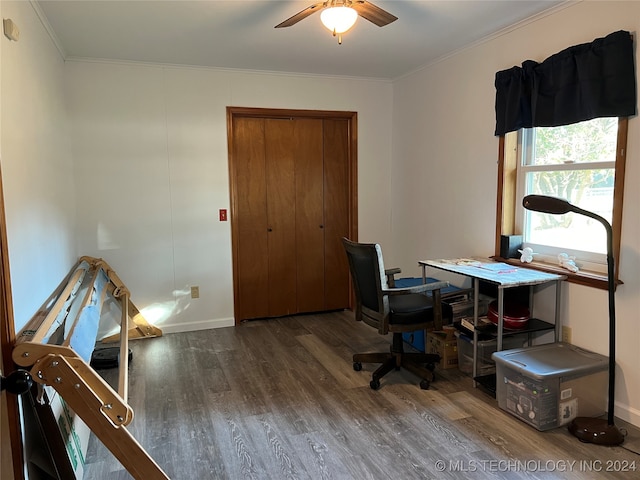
(595, 430)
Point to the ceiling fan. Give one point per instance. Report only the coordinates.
(340, 15)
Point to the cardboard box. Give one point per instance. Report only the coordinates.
(74, 431)
(547, 386)
(445, 344)
(53, 422)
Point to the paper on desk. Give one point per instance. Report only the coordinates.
(465, 262)
(498, 267)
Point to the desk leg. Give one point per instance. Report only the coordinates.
(500, 317)
(557, 316)
(531, 296)
(476, 308)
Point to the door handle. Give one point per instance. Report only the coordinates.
(17, 382)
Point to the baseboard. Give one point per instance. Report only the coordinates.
(193, 326)
(628, 414)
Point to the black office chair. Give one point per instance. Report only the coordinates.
(394, 310)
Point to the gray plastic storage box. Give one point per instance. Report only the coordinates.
(549, 385)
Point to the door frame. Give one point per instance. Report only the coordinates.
(7, 341)
(352, 159)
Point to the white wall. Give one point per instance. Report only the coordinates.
(150, 152)
(445, 172)
(36, 165)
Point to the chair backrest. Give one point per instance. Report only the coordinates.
(367, 272)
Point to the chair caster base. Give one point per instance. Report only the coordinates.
(357, 366)
(374, 384)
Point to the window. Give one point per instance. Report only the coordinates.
(582, 163)
(575, 162)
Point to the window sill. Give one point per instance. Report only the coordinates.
(589, 279)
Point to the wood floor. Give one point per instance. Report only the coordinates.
(279, 399)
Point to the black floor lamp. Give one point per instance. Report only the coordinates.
(591, 430)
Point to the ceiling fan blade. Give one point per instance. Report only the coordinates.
(316, 7)
(374, 14)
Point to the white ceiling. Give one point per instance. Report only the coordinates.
(240, 34)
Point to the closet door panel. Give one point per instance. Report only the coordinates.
(292, 200)
(281, 208)
(308, 145)
(250, 217)
(336, 212)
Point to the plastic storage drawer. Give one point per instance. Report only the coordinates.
(486, 348)
(549, 385)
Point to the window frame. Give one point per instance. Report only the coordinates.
(506, 208)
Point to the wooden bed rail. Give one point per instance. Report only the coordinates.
(56, 344)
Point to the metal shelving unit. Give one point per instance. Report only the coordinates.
(509, 277)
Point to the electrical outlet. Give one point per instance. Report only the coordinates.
(195, 292)
(566, 334)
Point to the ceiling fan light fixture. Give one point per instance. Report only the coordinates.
(338, 19)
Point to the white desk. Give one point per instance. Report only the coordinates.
(503, 276)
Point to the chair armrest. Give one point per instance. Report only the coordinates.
(390, 272)
(425, 287)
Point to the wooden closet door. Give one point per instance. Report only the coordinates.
(293, 191)
(250, 217)
(336, 212)
(281, 215)
(308, 148)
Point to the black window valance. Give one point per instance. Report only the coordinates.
(582, 82)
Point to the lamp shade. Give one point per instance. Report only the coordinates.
(338, 19)
(545, 204)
